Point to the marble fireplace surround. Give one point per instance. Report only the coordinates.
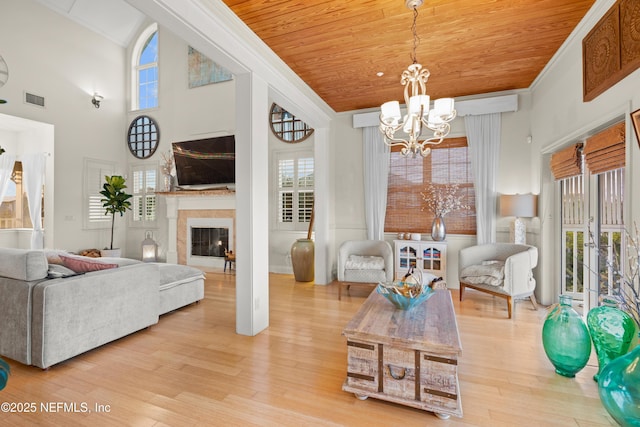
(190, 204)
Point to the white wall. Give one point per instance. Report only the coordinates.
(53, 57)
(182, 114)
(560, 117)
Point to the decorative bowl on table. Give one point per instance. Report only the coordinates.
(405, 295)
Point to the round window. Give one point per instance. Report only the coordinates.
(286, 127)
(143, 137)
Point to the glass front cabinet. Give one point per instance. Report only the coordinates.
(431, 257)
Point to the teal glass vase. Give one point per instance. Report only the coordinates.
(612, 332)
(619, 388)
(566, 339)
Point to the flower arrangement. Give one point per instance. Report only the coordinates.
(167, 165)
(443, 198)
(627, 293)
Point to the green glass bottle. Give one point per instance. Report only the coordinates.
(566, 339)
(619, 388)
(612, 332)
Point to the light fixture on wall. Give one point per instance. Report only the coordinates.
(97, 99)
(149, 248)
(394, 126)
(520, 206)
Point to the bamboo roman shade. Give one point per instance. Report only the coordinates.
(567, 162)
(605, 151)
(448, 163)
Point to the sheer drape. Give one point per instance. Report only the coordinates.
(6, 168)
(376, 175)
(33, 175)
(483, 136)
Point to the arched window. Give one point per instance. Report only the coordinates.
(144, 75)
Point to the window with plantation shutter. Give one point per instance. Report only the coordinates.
(448, 163)
(295, 182)
(94, 212)
(143, 189)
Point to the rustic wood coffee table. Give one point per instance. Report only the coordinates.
(407, 357)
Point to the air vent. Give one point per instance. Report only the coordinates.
(30, 98)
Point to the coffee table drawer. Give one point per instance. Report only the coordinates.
(439, 381)
(362, 369)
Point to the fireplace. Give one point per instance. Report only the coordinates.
(215, 206)
(207, 239)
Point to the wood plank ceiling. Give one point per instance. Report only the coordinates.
(470, 46)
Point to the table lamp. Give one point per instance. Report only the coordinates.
(520, 206)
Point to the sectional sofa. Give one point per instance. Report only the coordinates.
(51, 311)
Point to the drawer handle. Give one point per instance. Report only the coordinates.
(397, 377)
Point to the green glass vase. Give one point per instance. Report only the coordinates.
(612, 332)
(619, 388)
(566, 339)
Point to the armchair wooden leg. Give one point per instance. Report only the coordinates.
(461, 290)
(533, 301)
(510, 306)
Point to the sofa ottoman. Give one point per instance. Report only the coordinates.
(180, 285)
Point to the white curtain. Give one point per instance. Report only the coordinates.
(376, 176)
(33, 177)
(483, 137)
(6, 168)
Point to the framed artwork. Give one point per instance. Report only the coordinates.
(203, 71)
(635, 119)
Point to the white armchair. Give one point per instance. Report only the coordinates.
(364, 261)
(500, 269)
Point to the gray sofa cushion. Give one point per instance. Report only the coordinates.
(21, 264)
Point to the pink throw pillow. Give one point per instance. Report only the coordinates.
(81, 264)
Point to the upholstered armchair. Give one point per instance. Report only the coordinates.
(500, 269)
(364, 262)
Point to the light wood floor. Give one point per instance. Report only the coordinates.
(192, 369)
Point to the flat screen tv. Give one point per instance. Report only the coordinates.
(206, 163)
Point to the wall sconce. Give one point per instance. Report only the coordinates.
(520, 206)
(96, 99)
(149, 249)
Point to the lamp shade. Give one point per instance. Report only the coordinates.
(519, 205)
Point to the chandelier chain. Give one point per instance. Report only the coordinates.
(416, 39)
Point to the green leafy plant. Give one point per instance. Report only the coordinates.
(115, 199)
(1, 150)
(4, 373)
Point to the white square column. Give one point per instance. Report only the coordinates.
(252, 202)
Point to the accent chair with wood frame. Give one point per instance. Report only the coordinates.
(503, 270)
(364, 262)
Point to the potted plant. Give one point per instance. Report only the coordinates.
(115, 200)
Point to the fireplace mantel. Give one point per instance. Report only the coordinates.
(185, 204)
(197, 193)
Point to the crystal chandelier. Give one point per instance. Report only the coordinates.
(419, 116)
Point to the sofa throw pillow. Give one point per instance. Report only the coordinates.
(486, 274)
(57, 271)
(53, 256)
(362, 262)
(81, 264)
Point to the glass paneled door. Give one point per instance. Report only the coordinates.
(592, 234)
